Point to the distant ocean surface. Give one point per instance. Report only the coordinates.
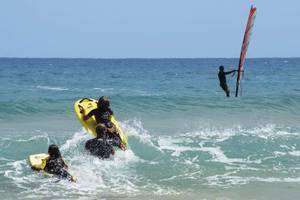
(186, 139)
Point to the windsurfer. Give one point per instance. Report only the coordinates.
(222, 79)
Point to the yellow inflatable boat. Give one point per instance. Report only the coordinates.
(90, 125)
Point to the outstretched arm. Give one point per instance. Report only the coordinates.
(229, 72)
(84, 116)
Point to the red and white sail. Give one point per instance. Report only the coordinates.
(245, 45)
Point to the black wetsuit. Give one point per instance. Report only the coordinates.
(57, 167)
(102, 148)
(102, 116)
(222, 79)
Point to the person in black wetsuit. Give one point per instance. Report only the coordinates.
(222, 79)
(56, 165)
(103, 114)
(101, 146)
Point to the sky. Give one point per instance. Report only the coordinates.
(147, 29)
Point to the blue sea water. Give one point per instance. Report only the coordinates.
(186, 139)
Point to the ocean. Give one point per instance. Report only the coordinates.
(186, 139)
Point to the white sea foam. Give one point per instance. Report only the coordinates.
(5, 159)
(279, 153)
(269, 131)
(15, 172)
(175, 145)
(37, 137)
(95, 175)
(104, 89)
(51, 88)
(126, 91)
(75, 140)
(115, 176)
(295, 153)
(168, 143)
(134, 128)
(121, 174)
(217, 135)
(160, 191)
(228, 180)
(219, 156)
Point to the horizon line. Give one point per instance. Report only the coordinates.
(154, 58)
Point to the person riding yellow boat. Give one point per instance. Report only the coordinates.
(103, 114)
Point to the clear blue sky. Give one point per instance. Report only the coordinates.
(147, 29)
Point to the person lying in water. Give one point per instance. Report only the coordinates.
(55, 164)
(103, 114)
(101, 146)
(222, 79)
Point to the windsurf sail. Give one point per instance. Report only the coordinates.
(245, 45)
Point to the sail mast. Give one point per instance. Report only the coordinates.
(245, 44)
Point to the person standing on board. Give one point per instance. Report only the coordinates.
(222, 79)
